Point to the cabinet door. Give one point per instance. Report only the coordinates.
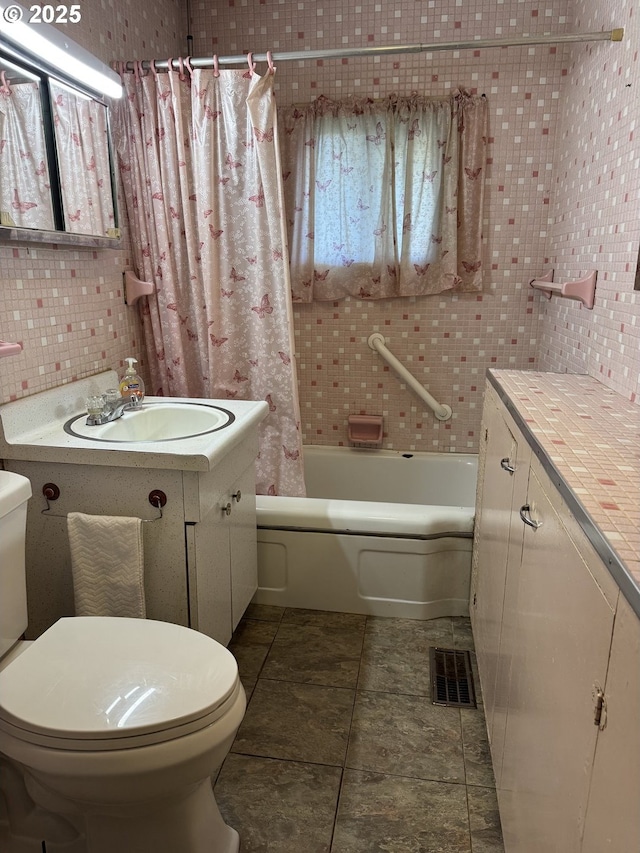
(499, 535)
(243, 544)
(613, 813)
(208, 561)
(561, 649)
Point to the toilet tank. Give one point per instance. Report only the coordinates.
(15, 491)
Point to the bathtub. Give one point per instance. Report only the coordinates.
(382, 532)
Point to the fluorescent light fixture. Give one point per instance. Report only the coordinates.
(51, 46)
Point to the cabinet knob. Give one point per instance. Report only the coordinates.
(526, 517)
(237, 496)
(506, 465)
(226, 509)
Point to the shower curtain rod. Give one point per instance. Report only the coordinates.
(342, 53)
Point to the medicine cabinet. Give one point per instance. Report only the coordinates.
(57, 176)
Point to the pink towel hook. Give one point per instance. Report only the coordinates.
(272, 68)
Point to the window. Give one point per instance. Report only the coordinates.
(384, 198)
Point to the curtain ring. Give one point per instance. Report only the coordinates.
(182, 76)
(4, 88)
(216, 69)
(152, 65)
(136, 70)
(170, 64)
(251, 63)
(187, 63)
(272, 68)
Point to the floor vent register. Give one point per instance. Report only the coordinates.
(451, 678)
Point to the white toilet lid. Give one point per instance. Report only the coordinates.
(108, 679)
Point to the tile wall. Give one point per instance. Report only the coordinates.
(65, 304)
(448, 341)
(596, 210)
(562, 121)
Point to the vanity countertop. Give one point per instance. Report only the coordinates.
(588, 439)
(32, 429)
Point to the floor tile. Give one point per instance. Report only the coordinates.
(400, 815)
(406, 736)
(475, 746)
(279, 806)
(264, 612)
(462, 636)
(250, 645)
(395, 656)
(299, 722)
(484, 820)
(316, 655)
(323, 618)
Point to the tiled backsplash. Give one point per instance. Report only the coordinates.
(562, 190)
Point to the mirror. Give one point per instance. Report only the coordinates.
(81, 132)
(25, 185)
(56, 167)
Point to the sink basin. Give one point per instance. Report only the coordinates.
(155, 422)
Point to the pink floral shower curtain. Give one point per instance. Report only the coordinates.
(198, 159)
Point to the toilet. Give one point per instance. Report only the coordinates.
(110, 728)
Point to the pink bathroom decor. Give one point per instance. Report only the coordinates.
(7, 348)
(365, 430)
(134, 288)
(582, 289)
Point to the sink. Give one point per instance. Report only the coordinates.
(158, 421)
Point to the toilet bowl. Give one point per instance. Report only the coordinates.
(123, 722)
(113, 728)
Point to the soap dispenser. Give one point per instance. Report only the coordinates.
(131, 383)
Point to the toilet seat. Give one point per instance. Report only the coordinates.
(107, 683)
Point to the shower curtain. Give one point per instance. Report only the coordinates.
(199, 164)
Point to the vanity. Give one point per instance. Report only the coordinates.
(196, 493)
(555, 610)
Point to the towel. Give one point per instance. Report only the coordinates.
(108, 565)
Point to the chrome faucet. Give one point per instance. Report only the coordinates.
(108, 411)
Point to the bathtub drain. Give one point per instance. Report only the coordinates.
(451, 678)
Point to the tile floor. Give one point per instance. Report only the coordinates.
(341, 749)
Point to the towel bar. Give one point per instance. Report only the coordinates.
(51, 492)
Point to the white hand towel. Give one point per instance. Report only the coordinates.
(108, 565)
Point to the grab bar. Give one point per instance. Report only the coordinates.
(377, 342)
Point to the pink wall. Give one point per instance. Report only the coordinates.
(596, 205)
(66, 305)
(447, 341)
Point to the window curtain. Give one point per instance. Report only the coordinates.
(25, 198)
(384, 197)
(82, 150)
(198, 159)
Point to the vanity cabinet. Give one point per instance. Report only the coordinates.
(552, 633)
(221, 550)
(200, 557)
(498, 529)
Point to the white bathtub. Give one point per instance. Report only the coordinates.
(383, 533)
